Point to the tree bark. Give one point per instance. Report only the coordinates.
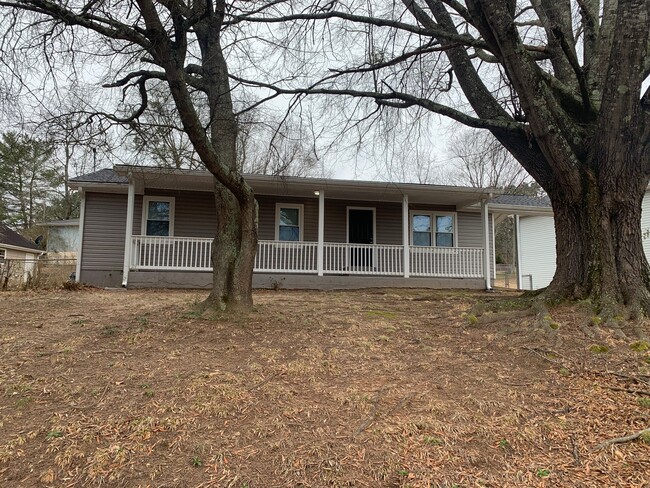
(599, 249)
(592, 161)
(235, 242)
(233, 252)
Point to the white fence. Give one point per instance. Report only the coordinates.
(286, 257)
(171, 253)
(363, 259)
(194, 254)
(451, 262)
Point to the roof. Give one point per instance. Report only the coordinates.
(522, 201)
(200, 180)
(13, 239)
(106, 175)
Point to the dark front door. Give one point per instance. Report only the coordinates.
(361, 230)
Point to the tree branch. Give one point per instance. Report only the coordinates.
(395, 99)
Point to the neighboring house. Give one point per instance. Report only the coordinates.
(17, 256)
(62, 239)
(153, 227)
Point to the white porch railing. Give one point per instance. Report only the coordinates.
(194, 254)
(446, 262)
(362, 259)
(171, 253)
(286, 257)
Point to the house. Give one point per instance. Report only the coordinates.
(153, 227)
(18, 256)
(62, 239)
(535, 236)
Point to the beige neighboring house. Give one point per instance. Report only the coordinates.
(18, 256)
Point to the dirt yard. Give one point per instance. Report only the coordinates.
(384, 388)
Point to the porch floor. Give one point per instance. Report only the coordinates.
(180, 279)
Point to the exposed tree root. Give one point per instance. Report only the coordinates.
(505, 311)
(621, 321)
(645, 433)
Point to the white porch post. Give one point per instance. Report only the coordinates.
(82, 217)
(486, 244)
(405, 236)
(130, 208)
(321, 232)
(520, 280)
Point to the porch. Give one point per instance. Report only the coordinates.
(394, 234)
(187, 254)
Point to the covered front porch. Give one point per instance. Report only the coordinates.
(149, 253)
(326, 231)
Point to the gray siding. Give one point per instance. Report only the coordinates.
(470, 233)
(104, 232)
(267, 206)
(104, 228)
(193, 212)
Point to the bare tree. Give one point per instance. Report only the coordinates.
(142, 44)
(558, 83)
(481, 161)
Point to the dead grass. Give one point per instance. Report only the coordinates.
(369, 388)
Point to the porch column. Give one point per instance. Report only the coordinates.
(486, 244)
(321, 232)
(130, 207)
(405, 236)
(520, 280)
(82, 217)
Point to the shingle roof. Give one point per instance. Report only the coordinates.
(106, 175)
(522, 200)
(12, 238)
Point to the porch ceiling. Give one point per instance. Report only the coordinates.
(305, 187)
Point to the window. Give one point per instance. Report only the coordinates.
(430, 229)
(422, 230)
(444, 231)
(158, 216)
(2, 255)
(288, 222)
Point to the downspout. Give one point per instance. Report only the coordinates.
(82, 218)
(128, 239)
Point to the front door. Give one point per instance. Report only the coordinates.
(361, 230)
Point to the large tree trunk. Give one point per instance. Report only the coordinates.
(235, 242)
(233, 252)
(599, 248)
(589, 152)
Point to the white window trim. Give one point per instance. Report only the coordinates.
(433, 215)
(301, 219)
(145, 211)
(374, 222)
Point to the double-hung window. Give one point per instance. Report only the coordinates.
(158, 216)
(288, 222)
(433, 229)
